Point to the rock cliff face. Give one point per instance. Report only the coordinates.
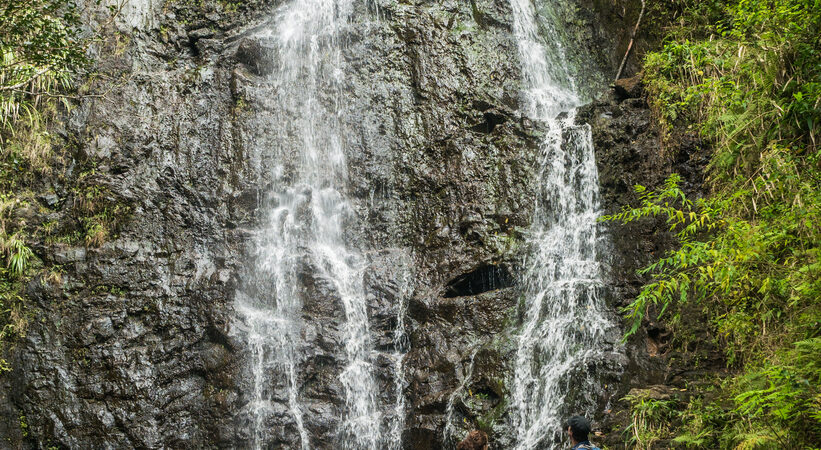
(132, 345)
(629, 152)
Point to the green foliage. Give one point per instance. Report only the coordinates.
(43, 33)
(42, 49)
(487, 421)
(752, 272)
(40, 46)
(651, 419)
(13, 276)
(15, 270)
(755, 80)
(697, 430)
(746, 76)
(785, 395)
(775, 405)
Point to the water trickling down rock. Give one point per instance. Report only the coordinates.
(567, 328)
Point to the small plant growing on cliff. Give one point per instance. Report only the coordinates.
(17, 254)
(651, 418)
(24, 426)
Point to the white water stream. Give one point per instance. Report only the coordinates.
(306, 230)
(566, 324)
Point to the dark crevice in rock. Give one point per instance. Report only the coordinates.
(487, 393)
(490, 123)
(485, 278)
(481, 105)
(192, 46)
(255, 57)
(217, 336)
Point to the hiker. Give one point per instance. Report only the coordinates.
(578, 428)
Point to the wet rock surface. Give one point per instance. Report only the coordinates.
(132, 345)
(629, 152)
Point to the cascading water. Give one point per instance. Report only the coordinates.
(449, 430)
(396, 423)
(306, 231)
(566, 326)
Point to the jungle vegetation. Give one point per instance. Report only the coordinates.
(746, 76)
(44, 50)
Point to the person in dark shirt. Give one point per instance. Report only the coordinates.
(578, 428)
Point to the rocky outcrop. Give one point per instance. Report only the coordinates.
(626, 88)
(629, 152)
(132, 344)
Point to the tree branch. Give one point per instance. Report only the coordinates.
(15, 87)
(630, 45)
(52, 95)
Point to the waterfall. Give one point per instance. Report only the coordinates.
(450, 429)
(306, 232)
(567, 329)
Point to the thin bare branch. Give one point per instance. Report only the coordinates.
(19, 85)
(630, 45)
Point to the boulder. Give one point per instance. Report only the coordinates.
(629, 87)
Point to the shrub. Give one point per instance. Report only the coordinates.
(745, 75)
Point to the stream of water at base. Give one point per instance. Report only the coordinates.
(566, 326)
